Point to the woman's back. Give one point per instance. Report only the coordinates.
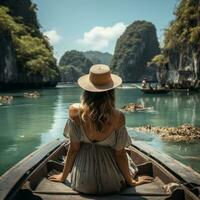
(117, 120)
(95, 169)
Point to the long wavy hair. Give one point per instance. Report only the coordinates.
(100, 106)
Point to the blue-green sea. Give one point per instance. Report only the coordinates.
(26, 124)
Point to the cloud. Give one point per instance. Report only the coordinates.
(100, 37)
(53, 36)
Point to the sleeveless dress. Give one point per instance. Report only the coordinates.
(95, 170)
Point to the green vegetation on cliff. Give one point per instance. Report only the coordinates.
(72, 65)
(33, 53)
(181, 51)
(135, 47)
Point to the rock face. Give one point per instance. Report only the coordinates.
(24, 9)
(26, 59)
(178, 65)
(8, 67)
(72, 65)
(98, 57)
(135, 47)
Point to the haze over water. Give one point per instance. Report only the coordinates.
(27, 124)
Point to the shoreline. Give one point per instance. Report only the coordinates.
(183, 133)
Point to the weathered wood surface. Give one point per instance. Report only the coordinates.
(150, 189)
(108, 197)
(46, 189)
(18, 173)
(178, 169)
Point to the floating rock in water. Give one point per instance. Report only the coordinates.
(5, 100)
(32, 95)
(132, 107)
(186, 132)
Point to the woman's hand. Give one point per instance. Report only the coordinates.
(141, 180)
(57, 178)
(144, 179)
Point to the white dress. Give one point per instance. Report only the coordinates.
(95, 170)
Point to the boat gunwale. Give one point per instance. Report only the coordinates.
(149, 152)
(34, 165)
(9, 184)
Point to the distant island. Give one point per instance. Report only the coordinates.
(98, 57)
(135, 47)
(133, 50)
(74, 63)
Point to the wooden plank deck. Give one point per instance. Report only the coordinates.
(150, 189)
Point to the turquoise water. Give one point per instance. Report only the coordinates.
(27, 124)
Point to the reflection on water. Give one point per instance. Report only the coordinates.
(172, 109)
(27, 124)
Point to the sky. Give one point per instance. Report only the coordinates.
(97, 24)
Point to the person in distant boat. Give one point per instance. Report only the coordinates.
(97, 158)
(150, 86)
(144, 83)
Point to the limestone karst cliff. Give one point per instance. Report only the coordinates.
(26, 57)
(72, 65)
(135, 47)
(178, 65)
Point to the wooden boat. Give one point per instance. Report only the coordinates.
(155, 91)
(28, 179)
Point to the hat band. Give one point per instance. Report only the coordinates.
(100, 79)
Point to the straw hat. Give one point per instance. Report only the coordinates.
(99, 79)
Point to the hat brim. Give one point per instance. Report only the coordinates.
(85, 83)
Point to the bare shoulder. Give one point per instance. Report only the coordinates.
(120, 119)
(74, 111)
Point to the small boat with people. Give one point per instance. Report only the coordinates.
(147, 88)
(28, 179)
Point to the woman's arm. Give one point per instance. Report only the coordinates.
(72, 150)
(71, 155)
(122, 162)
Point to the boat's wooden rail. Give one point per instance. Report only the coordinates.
(15, 177)
(32, 172)
(179, 170)
(180, 173)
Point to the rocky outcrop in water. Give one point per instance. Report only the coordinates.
(179, 63)
(72, 65)
(26, 56)
(186, 132)
(135, 47)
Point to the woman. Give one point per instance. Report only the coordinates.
(96, 157)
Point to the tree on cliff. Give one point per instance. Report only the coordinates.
(182, 41)
(135, 47)
(73, 64)
(35, 64)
